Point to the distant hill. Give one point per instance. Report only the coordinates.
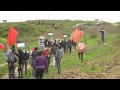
(31, 30)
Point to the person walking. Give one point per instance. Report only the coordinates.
(34, 55)
(81, 48)
(74, 46)
(58, 57)
(40, 65)
(53, 51)
(11, 60)
(69, 44)
(26, 57)
(20, 63)
(47, 55)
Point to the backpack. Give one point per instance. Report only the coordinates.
(11, 58)
(34, 55)
(58, 54)
(25, 56)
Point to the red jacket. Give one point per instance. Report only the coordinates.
(81, 47)
(47, 52)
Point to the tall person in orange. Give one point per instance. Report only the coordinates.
(81, 48)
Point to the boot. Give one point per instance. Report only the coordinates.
(58, 72)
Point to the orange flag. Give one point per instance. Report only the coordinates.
(12, 36)
(2, 47)
(77, 34)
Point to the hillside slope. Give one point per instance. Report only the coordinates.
(101, 61)
(109, 67)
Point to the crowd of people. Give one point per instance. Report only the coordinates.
(48, 49)
(40, 57)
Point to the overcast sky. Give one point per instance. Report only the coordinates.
(17, 16)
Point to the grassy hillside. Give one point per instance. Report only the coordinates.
(96, 54)
(29, 31)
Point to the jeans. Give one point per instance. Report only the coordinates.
(25, 64)
(70, 47)
(53, 59)
(65, 49)
(103, 39)
(47, 65)
(58, 65)
(11, 70)
(33, 70)
(20, 70)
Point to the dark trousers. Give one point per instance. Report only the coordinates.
(25, 65)
(39, 73)
(11, 69)
(20, 70)
(65, 49)
(33, 70)
(70, 47)
(80, 55)
(58, 65)
(103, 40)
(74, 48)
(47, 65)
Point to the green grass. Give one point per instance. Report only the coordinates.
(3, 70)
(99, 56)
(30, 31)
(71, 60)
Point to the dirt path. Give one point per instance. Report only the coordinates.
(1, 65)
(16, 72)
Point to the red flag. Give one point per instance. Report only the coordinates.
(12, 36)
(77, 34)
(2, 47)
